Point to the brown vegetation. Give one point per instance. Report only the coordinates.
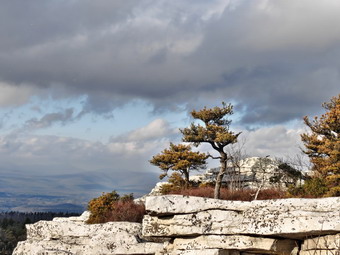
(113, 207)
(240, 195)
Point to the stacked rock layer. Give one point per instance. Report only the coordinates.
(177, 225)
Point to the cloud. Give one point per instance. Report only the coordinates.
(276, 141)
(156, 129)
(266, 56)
(49, 119)
(151, 137)
(69, 167)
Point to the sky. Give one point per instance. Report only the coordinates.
(90, 90)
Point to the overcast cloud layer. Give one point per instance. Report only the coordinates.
(275, 60)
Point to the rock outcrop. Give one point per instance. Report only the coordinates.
(178, 225)
(73, 236)
(187, 216)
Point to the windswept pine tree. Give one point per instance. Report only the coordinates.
(323, 145)
(179, 157)
(214, 131)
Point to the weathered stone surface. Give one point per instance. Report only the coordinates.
(200, 252)
(296, 218)
(49, 230)
(92, 248)
(236, 242)
(328, 242)
(180, 225)
(76, 237)
(177, 204)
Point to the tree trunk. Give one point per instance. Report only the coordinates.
(186, 178)
(223, 161)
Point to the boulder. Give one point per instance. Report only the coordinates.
(294, 218)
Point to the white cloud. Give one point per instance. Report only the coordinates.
(276, 141)
(155, 129)
(111, 165)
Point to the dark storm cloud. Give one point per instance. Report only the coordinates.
(276, 60)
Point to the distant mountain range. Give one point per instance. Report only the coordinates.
(29, 192)
(37, 203)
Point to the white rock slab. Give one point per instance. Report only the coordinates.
(295, 218)
(92, 248)
(237, 242)
(200, 252)
(74, 237)
(178, 204)
(49, 230)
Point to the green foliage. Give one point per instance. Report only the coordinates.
(11, 233)
(285, 173)
(12, 227)
(112, 207)
(314, 188)
(179, 158)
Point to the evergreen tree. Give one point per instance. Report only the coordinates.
(323, 145)
(215, 132)
(179, 158)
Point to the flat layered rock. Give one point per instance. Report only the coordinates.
(178, 204)
(49, 230)
(75, 237)
(236, 242)
(92, 248)
(200, 252)
(293, 218)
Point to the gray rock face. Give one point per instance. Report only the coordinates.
(296, 218)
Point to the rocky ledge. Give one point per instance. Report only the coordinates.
(178, 225)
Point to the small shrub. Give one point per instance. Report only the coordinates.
(113, 207)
